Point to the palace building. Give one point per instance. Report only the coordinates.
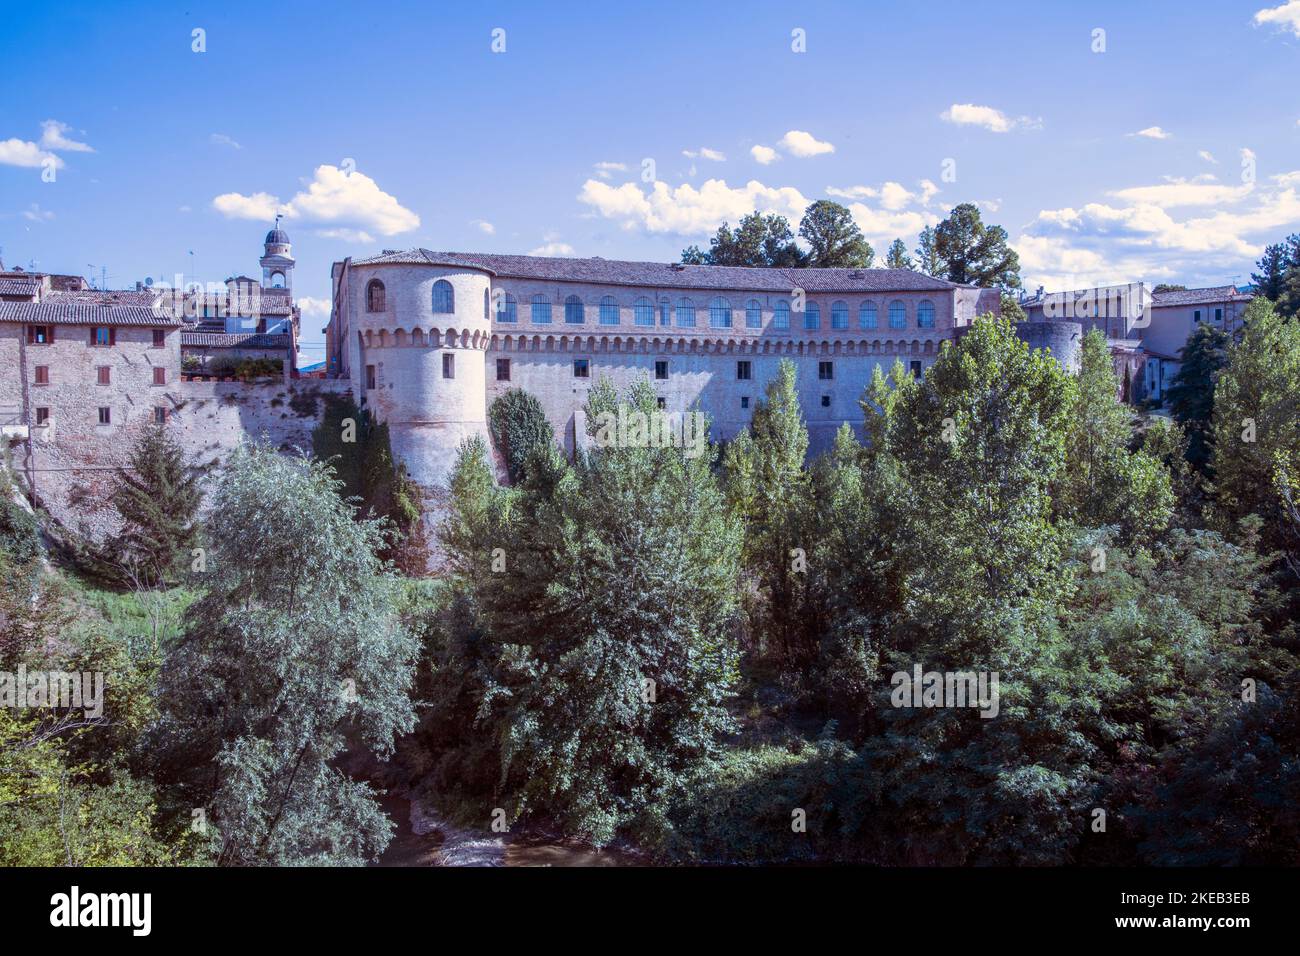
(429, 339)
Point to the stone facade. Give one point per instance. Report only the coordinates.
(432, 374)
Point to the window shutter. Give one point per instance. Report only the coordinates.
(112, 335)
(49, 334)
(31, 335)
(92, 335)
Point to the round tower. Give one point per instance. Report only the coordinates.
(277, 259)
(422, 334)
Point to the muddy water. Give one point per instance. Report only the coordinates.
(419, 839)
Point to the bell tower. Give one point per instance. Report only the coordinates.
(277, 260)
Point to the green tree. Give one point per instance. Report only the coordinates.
(1270, 280)
(927, 254)
(157, 496)
(967, 251)
(293, 648)
(897, 257)
(759, 240)
(1191, 393)
(519, 429)
(833, 238)
(1011, 310)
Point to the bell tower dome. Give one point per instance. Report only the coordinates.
(277, 259)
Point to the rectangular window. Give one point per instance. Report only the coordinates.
(1218, 315)
(159, 375)
(1196, 315)
(159, 338)
(665, 315)
(104, 375)
(825, 370)
(105, 415)
(744, 401)
(370, 376)
(42, 416)
(661, 369)
(581, 368)
(448, 366)
(826, 401)
(160, 415)
(42, 375)
(40, 334)
(503, 370)
(742, 371)
(661, 402)
(101, 336)
(916, 368)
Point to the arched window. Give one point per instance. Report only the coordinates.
(812, 316)
(897, 314)
(507, 308)
(753, 314)
(277, 280)
(573, 312)
(839, 315)
(867, 317)
(685, 313)
(781, 315)
(444, 300)
(643, 312)
(374, 296)
(608, 310)
(925, 314)
(541, 310)
(720, 313)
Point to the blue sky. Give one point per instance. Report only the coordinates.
(1173, 155)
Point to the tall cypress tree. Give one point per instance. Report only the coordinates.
(157, 497)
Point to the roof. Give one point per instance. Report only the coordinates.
(1207, 296)
(671, 276)
(144, 298)
(80, 313)
(277, 235)
(230, 340)
(21, 286)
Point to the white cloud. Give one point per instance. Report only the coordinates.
(347, 201)
(893, 196)
(799, 143)
(605, 169)
(18, 152)
(688, 210)
(484, 226)
(1201, 191)
(343, 234)
(1153, 132)
(968, 114)
(1206, 155)
(313, 308)
(1285, 16)
(35, 213)
(221, 139)
(552, 249)
(766, 155)
(704, 153)
(52, 137)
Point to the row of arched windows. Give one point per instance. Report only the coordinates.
(721, 313)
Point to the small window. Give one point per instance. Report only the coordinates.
(1196, 315)
(42, 375)
(812, 316)
(839, 315)
(661, 369)
(105, 415)
(444, 299)
(541, 310)
(720, 313)
(753, 314)
(867, 316)
(1218, 315)
(643, 312)
(685, 313)
(104, 375)
(916, 368)
(826, 401)
(160, 415)
(581, 368)
(507, 308)
(661, 402)
(448, 365)
(744, 401)
(42, 416)
(925, 314)
(487, 304)
(897, 314)
(159, 375)
(503, 370)
(159, 338)
(781, 315)
(574, 313)
(742, 371)
(101, 336)
(370, 376)
(40, 334)
(608, 310)
(374, 296)
(825, 370)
